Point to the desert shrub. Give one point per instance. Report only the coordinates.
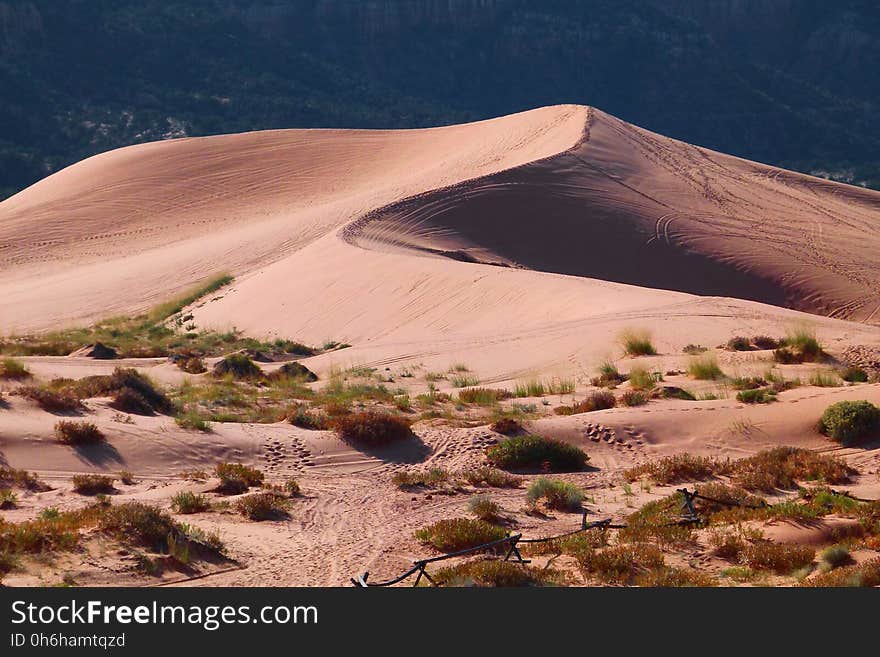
(756, 396)
(496, 573)
(826, 379)
(715, 495)
(558, 494)
(78, 433)
(694, 349)
(609, 375)
(641, 379)
(803, 342)
(765, 342)
(672, 392)
(781, 558)
(747, 383)
(783, 467)
(129, 400)
(506, 426)
(637, 342)
(739, 343)
(192, 421)
(420, 478)
(835, 556)
(21, 478)
(620, 564)
(679, 468)
(238, 366)
(126, 477)
(483, 396)
(657, 521)
(464, 381)
(705, 368)
(304, 419)
(262, 506)
(93, 484)
(459, 534)
(292, 487)
(597, 401)
(727, 544)
(251, 476)
(633, 398)
(854, 375)
(671, 577)
(296, 371)
(51, 400)
(192, 365)
(484, 508)
(372, 428)
(785, 356)
(866, 574)
(131, 379)
(522, 452)
(490, 477)
(573, 545)
(13, 369)
(849, 421)
(187, 502)
(8, 499)
(138, 523)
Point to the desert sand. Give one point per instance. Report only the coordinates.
(519, 247)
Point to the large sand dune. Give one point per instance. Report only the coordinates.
(519, 247)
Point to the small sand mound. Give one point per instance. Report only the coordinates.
(820, 531)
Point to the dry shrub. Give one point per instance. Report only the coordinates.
(669, 577)
(305, 419)
(506, 426)
(573, 545)
(783, 467)
(634, 398)
(722, 497)
(238, 366)
(522, 452)
(421, 478)
(620, 564)
(13, 370)
(50, 400)
(495, 573)
(679, 468)
(637, 342)
(296, 371)
(658, 521)
(866, 574)
(78, 433)
(21, 479)
(781, 558)
(484, 508)
(263, 506)
(236, 478)
(93, 484)
(595, 402)
(765, 342)
(372, 428)
(459, 534)
(739, 343)
(129, 400)
(192, 365)
(490, 477)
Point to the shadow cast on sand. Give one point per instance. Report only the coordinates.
(100, 455)
(408, 451)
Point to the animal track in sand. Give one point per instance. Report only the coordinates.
(600, 433)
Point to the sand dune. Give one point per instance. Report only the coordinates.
(519, 246)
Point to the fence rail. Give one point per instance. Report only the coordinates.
(689, 515)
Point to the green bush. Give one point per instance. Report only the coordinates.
(558, 494)
(251, 476)
(849, 421)
(484, 508)
(496, 573)
(537, 452)
(854, 375)
(637, 342)
(756, 396)
(187, 502)
(13, 369)
(705, 368)
(483, 396)
(634, 398)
